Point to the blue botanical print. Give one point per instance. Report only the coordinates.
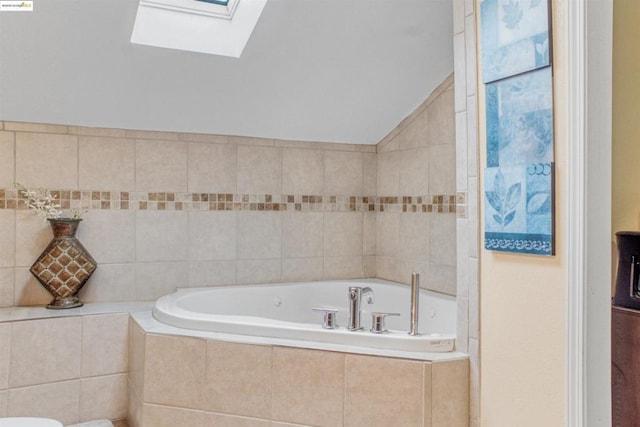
(512, 14)
(504, 201)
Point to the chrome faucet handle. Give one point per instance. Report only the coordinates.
(329, 320)
(377, 322)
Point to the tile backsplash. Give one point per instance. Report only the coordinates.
(169, 210)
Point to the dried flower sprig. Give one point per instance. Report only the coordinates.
(45, 204)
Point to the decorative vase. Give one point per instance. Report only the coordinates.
(65, 265)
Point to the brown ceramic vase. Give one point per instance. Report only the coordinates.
(65, 265)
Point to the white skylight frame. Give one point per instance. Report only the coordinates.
(194, 6)
(197, 26)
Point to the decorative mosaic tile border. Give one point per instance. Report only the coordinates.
(137, 200)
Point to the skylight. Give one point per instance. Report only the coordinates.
(218, 27)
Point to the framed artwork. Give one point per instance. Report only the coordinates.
(520, 119)
(515, 37)
(519, 215)
(519, 178)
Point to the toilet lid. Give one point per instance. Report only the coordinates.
(29, 422)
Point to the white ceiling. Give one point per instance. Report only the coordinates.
(313, 70)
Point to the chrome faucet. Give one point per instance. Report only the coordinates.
(355, 298)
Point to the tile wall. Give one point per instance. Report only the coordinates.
(467, 173)
(169, 210)
(418, 157)
(256, 385)
(73, 369)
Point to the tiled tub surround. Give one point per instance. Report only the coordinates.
(337, 210)
(419, 157)
(70, 365)
(204, 382)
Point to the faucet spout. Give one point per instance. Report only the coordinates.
(355, 301)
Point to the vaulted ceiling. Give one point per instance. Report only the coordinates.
(313, 70)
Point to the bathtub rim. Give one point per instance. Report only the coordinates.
(179, 328)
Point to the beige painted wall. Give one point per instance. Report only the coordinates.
(625, 213)
(523, 303)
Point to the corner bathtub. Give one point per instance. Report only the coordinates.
(284, 311)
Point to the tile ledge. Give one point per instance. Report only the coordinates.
(13, 314)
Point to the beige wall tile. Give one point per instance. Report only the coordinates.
(60, 401)
(27, 290)
(106, 163)
(416, 133)
(393, 396)
(302, 269)
(217, 420)
(47, 160)
(343, 267)
(259, 235)
(389, 173)
(387, 233)
(308, 386)
(442, 239)
(166, 416)
(148, 134)
(212, 168)
(3, 403)
(136, 351)
(39, 346)
(342, 233)
(238, 379)
(259, 271)
(414, 237)
(387, 267)
(428, 395)
(161, 165)
(441, 118)
(8, 233)
(302, 234)
(450, 404)
(390, 143)
(111, 283)
(5, 347)
(246, 140)
(369, 173)
(35, 127)
(212, 235)
(35, 234)
(259, 170)
(7, 160)
(134, 409)
(91, 131)
(414, 172)
(442, 169)
(204, 137)
(104, 344)
(442, 278)
(212, 273)
(154, 280)
(109, 236)
(161, 236)
(343, 173)
(103, 398)
(369, 233)
(462, 152)
(369, 266)
(407, 267)
(302, 171)
(6, 286)
(174, 368)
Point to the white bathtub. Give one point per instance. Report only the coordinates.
(285, 311)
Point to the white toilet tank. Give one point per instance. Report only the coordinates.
(29, 422)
